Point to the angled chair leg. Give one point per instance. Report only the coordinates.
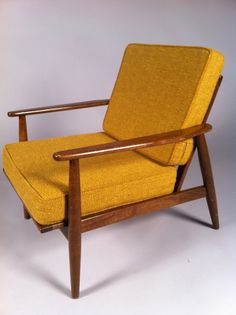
(26, 213)
(206, 170)
(74, 227)
(75, 257)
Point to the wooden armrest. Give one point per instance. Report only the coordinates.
(57, 108)
(133, 144)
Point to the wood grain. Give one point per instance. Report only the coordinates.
(74, 227)
(57, 108)
(207, 175)
(117, 214)
(132, 144)
(141, 208)
(75, 224)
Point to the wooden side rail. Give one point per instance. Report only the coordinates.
(57, 108)
(114, 215)
(133, 144)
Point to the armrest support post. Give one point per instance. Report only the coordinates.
(23, 136)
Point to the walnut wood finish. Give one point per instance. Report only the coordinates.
(207, 176)
(26, 213)
(141, 208)
(23, 136)
(133, 144)
(114, 215)
(57, 108)
(183, 169)
(74, 227)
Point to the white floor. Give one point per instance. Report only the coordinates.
(164, 263)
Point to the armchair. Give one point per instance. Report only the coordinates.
(155, 121)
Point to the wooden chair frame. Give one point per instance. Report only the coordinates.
(77, 224)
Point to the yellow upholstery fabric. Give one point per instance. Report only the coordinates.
(159, 89)
(106, 181)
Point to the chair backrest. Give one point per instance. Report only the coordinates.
(159, 89)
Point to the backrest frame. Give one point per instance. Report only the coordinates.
(182, 169)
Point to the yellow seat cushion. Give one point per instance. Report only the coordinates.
(106, 181)
(162, 88)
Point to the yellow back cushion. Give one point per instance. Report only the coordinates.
(159, 89)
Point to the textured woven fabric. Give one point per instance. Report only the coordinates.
(159, 89)
(106, 181)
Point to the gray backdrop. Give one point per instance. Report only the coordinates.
(59, 51)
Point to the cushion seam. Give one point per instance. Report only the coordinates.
(198, 86)
(169, 162)
(63, 195)
(194, 96)
(97, 189)
(23, 175)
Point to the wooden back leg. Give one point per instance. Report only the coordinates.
(205, 164)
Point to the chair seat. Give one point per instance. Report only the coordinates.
(106, 181)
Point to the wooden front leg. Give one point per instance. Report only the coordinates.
(74, 227)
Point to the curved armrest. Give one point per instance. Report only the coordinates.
(133, 144)
(57, 108)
